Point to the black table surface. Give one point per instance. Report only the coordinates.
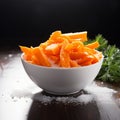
(21, 99)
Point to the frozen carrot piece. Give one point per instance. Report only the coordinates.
(54, 36)
(43, 59)
(77, 55)
(89, 50)
(27, 52)
(53, 49)
(93, 45)
(35, 60)
(54, 58)
(78, 35)
(97, 57)
(86, 63)
(63, 37)
(74, 63)
(87, 59)
(44, 45)
(25, 49)
(64, 56)
(75, 46)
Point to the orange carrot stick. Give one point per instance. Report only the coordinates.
(53, 49)
(93, 45)
(27, 52)
(43, 60)
(64, 56)
(78, 35)
(74, 63)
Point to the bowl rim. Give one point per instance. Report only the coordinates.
(61, 68)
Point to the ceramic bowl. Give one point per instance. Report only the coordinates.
(62, 81)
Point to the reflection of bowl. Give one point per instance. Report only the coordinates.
(61, 81)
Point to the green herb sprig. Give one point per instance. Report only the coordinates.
(110, 70)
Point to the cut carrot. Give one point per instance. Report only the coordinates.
(27, 51)
(35, 60)
(74, 63)
(63, 50)
(53, 49)
(77, 55)
(93, 45)
(87, 59)
(64, 56)
(78, 35)
(89, 50)
(75, 46)
(55, 58)
(42, 58)
(54, 36)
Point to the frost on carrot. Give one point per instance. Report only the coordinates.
(64, 50)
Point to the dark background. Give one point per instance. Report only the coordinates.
(30, 22)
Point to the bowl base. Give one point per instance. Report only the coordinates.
(62, 94)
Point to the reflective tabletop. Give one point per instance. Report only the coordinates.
(21, 99)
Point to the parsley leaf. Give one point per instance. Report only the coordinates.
(110, 70)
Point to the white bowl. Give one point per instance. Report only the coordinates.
(62, 81)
